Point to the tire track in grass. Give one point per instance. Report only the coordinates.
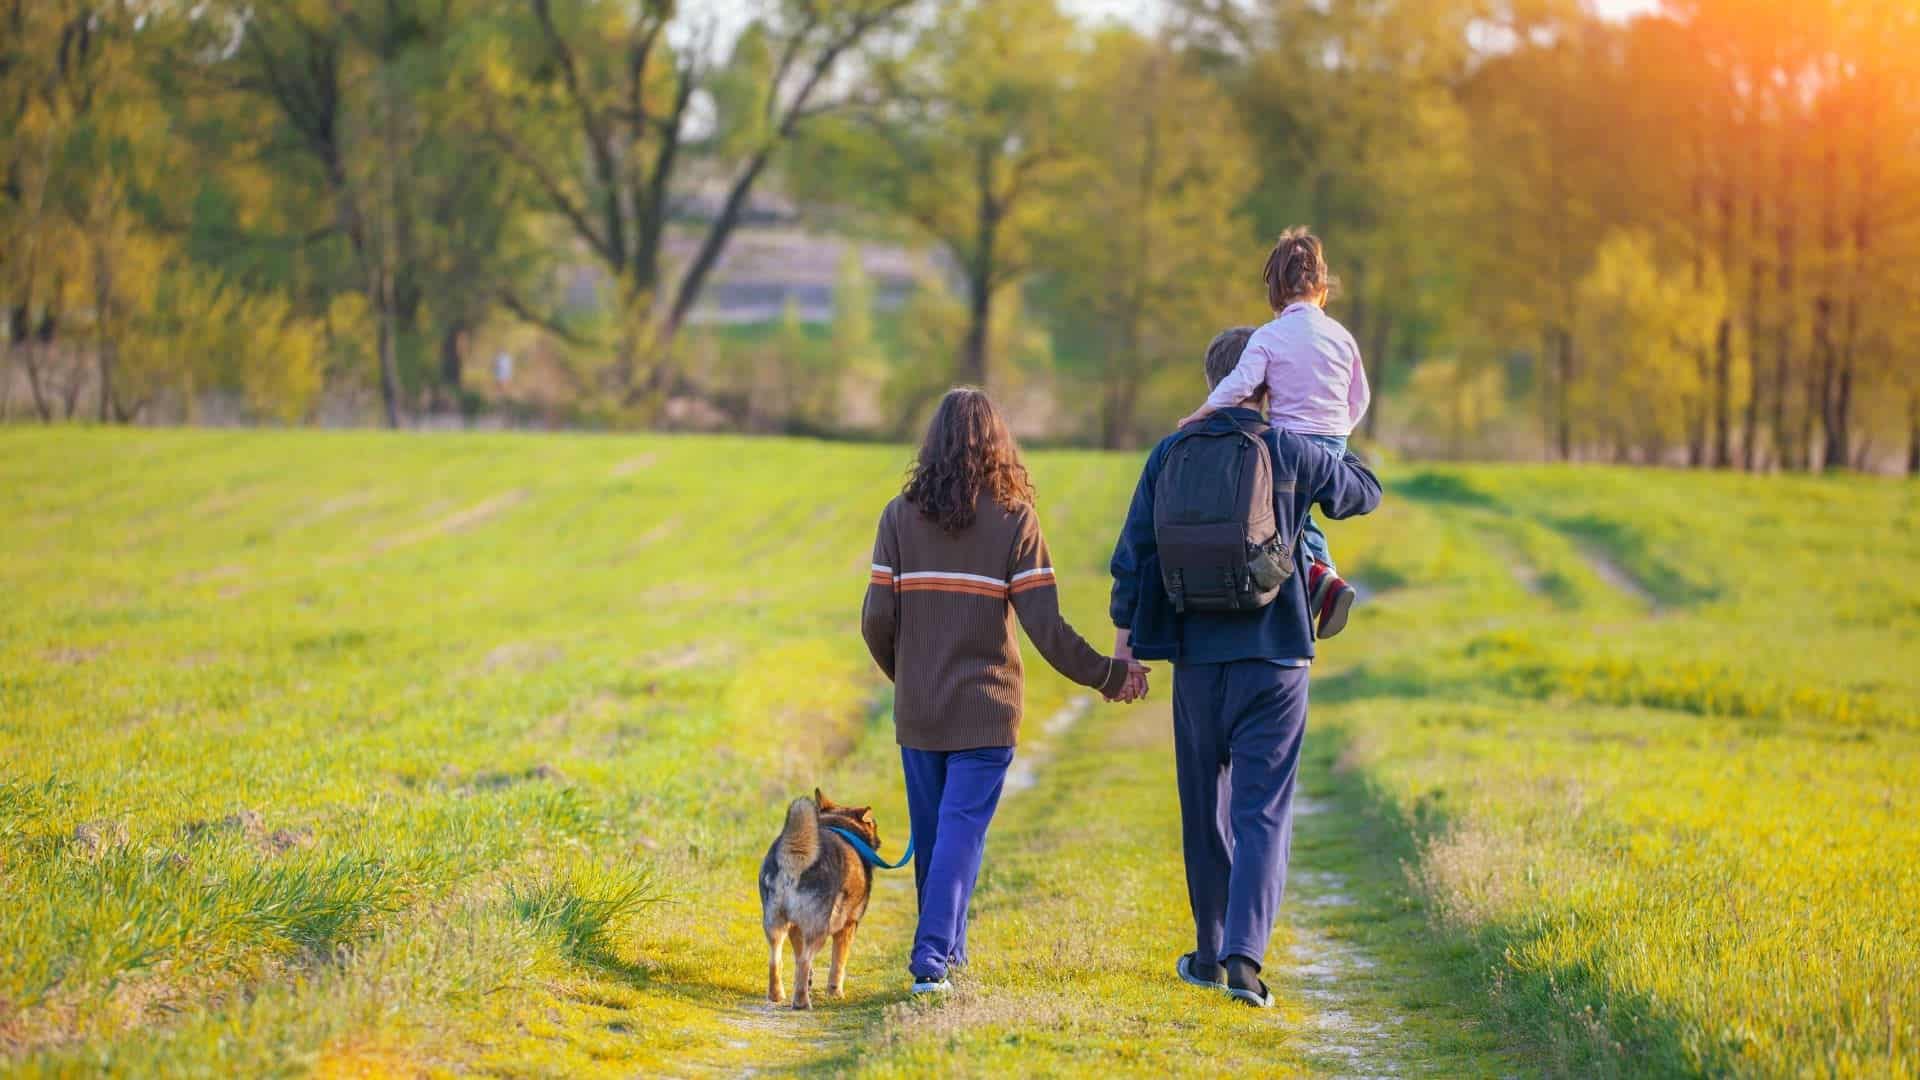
(1325, 972)
(1609, 570)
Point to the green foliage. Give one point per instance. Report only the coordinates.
(424, 177)
(1646, 330)
(975, 148)
(853, 339)
(1149, 263)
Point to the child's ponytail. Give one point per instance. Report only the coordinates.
(1296, 269)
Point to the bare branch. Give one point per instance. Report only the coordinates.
(525, 313)
(549, 186)
(593, 126)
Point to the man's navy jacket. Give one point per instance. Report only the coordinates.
(1304, 475)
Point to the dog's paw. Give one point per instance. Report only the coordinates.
(803, 1003)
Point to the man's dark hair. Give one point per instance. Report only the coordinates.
(1223, 353)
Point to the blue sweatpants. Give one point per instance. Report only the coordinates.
(1237, 729)
(951, 796)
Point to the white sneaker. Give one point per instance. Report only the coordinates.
(932, 986)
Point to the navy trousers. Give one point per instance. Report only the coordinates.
(951, 796)
(1237, 729)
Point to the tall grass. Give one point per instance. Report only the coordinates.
(585, 907)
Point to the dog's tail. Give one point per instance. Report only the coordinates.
(800, 840)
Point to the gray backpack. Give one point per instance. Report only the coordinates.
(1213, 522)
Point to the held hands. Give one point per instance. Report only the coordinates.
(1135, 687)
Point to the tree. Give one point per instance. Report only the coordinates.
(1644, 325)
(1538, 215)
(1353, 113)
(590, 102)
(971, 145)
(358, 109)
(1154, 257)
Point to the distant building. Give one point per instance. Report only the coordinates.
(765, 269)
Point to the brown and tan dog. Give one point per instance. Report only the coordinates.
(814, 885)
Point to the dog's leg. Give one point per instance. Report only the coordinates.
(837, 976)
(803, 971)
(776, 937)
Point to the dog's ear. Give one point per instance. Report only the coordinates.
(866, 817)
(820, 800)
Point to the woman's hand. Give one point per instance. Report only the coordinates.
(1135, 687)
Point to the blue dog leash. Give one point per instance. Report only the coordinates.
(867, 854)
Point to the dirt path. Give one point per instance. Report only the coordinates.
(1084, 865)
(1034, 753)
(1351, 1030)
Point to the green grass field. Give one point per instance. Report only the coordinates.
(370, 755)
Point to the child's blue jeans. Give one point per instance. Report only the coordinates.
(1314, 539)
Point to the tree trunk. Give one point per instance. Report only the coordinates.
(1723, 341)
(1116, 421)
(1820, 377)
(1913, 434)
(453, 357)
(974, 353)
(1823, 304)
(70, 394)
(1756, 273)
(1783, 445)
(688, 291)
(1699, 410)
(391, 255)
(1380, 341)
(108, 352)
(389, 348)
(103, 337)
(32, 350)
(1840, 423)
(1563, 362)
(42, 402)
(1722, 394)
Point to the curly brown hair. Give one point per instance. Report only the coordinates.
(968, 450)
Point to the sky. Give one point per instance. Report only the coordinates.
(1138, 9)
(732, 13)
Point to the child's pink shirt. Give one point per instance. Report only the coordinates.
(1311, 367)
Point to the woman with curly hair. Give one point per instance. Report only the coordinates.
(959, 555)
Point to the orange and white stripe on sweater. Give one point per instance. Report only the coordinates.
(953, 581)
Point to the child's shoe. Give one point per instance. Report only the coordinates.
(1329, 599)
